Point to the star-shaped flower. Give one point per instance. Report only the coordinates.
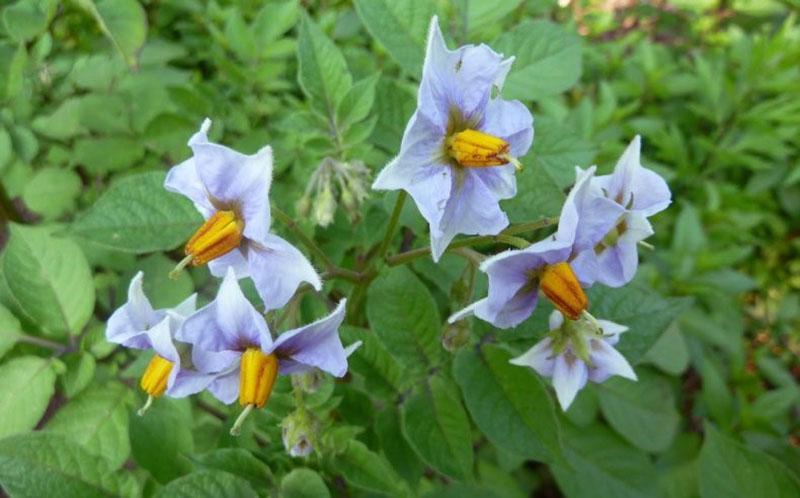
(516, 276)
(236, 356)
(641, 193)
(231, 190)
(460, 148)
(137, 325)
(574, 353)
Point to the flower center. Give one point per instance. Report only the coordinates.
(256, 377)
(559, 283)
(219, 235)
(154, 379)
(475, 149)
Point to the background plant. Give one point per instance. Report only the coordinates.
(99, 97)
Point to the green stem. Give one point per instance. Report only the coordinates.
(504, 237)
(387, 238)
(304, 239)
(39, 341)
(513, 241)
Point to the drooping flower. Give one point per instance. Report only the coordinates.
(460, 148)
(517, 276)
(575, 352)
(136, 324)
(231, 190)
(642, 193)
(236, 356)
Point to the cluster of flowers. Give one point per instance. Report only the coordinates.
(458, 160)
(226, 347)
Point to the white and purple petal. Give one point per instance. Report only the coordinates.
(277, 269)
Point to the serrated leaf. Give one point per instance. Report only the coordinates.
(437, 427)
(136, 214)
(642, 412)
(401, 26)
(548, 60)
(207, 484)
(403, 314)
(52, 192)
(727, 468)
(46, 280)
(28, 384)
(303, 483)
(509, 404)
(322, 71)
(42, 464)
(98, 421)
(124, 22)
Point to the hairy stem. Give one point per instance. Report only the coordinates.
(390, 229)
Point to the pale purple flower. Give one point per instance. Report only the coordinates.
(455, 94)
(136, 324)
(641, 193)
(574, 353)
(218, 178)
(513, 284)
(223, 330)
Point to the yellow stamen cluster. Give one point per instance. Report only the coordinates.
(257, 376)
(154, 379)
(220, 234)
(475, 149)
(559, 283)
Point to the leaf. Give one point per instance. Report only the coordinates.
(481, 13)
(124, 22)
(365, 469)
(436, 425)
(557, 149)
(643, 311)
(642, 412)
(548, 60)
(538, 195)
(303, 483)
(601, 464)
(47, 280)
(396, 449)
(100, 155)
(322, 71)
(382, 375)
(207, 484)
(509, 404)
(394, 105)
(357, 103)
(670, 353)
(24, 20)
(239, 462)
(10, 330)
(403, 314)
(43, 464)
(6, 148)
(136, 214)
(98, 421)
(163, 291)
(401, 26)
(728, 468)
(161, 440)
(28, 384)
(52, 192)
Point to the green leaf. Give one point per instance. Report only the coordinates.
(642, 412)
(80, 372)
(396, 449)
(303, 483)
(670, 353)
(28, 384)
(26, 19)
(382, 375)
(52, 192)
(394, 105)
(365, 469)
(557, 149)
(163, 291)
(322, 71)
(6, 148)
(601, 464)
(403, 314)
(124, 22)
(727, 468)
(538, 195)
(100, 155)
(401, 26)
(437, 427)
(646, 313)
(508, 403)
(43, 464)
(548, 60)
(136, 214)
(239, 462)
(481, 13)
(161, 440)
(47, 280)
(357, 103)
(15, 79)
(10, 330)
(207, 484)
(98, 421)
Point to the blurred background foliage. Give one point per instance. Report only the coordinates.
(98, 98)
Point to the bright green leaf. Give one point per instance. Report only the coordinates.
(52, 192)
(124, 22)
(322, 70)
(303, 483)
(207, 484)
(28, 384)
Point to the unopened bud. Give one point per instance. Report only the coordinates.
(299, 432)
(455, 336)
(303, 206)
(325, 207)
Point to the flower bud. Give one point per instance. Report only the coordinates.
(455, 336)
(559, 283)
(325, 207)
(303, 206)
(299, 432)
